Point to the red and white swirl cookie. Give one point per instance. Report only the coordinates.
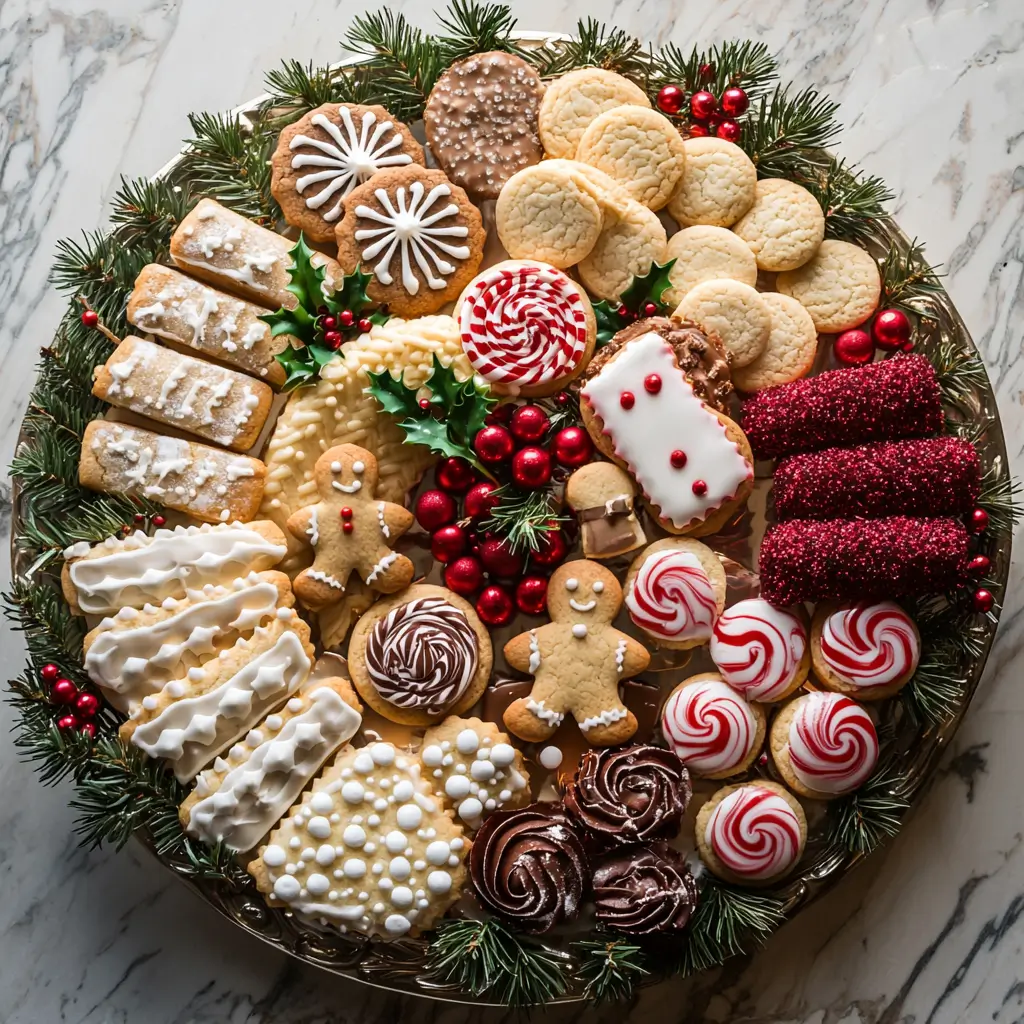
(760, 650)
(713, 729)
(753, 834)
(527, 327)
(675, 590)
(824, 745)
(868, 650)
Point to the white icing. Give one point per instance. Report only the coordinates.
(550, 758)
(607, 717)
(313, 530)
(381, 506)
(544, 714)
(534, 653)
(389, 559)
(579, 630)
(324, 577)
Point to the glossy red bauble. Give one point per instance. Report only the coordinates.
(464, 575)
(480, 499)
(87, 705)
(89, 729)
(49, 672)
(891, 329)
(495, 606)
(532, 595)
(552, 550)
(734, 101)
(729, 130)
(572, 447)
(346, 318)
(448, 543)
(67, 722)
(455, 475)
(670, 99)
(703, 104)
(63, 691)
(531, 467)
(979, 565)
(90, 318)
(365, 325)
(493, 444)
(979, 521)
(983, 601)
(699, 131)
(159, 521)
(529, 423)
(501, 414)
(435, 509)
(854, 348)
(499, 558)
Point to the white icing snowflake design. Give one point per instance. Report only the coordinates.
(410, 228)
(350, 159)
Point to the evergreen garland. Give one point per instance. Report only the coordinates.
(610, 969)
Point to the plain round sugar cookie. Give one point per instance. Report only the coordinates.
(610, 194)
(732, 310)
(718, 184)
(707, 253)
(627, 247)
(784, 227)
(789, 354)
(575, 100)
(544, 214)
(840, 286)
(639, 148)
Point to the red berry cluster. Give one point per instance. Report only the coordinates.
(333, 328)
(522, 451)
(890, 330)
(709, 114)
(77, 707)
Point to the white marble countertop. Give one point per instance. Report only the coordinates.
(929, 931)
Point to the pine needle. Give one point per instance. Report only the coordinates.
(736, 62)
(909, 282)
(296, 89)
(786, 133)
(850, 201)
(594, 45)
(523, 518)
(610, 970)
(471, 27)
(864, 819)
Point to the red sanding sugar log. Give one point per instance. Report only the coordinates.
(850, 559)
(895, 398)
(938, 476)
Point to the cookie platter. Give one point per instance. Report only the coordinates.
(535, 531)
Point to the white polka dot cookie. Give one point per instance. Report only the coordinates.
(369, 849)
(705, 253)
(789, 354)
(732, 310)
(718, 184)
(627, 247)
(784, 227)
(840, 286)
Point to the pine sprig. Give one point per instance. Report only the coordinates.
(1000, 498)
(850, 201)
(961, 373)
(52, 633)
(610, 970)
(471, 27)
(864, 819)
(594, 45)
(736, 62)
(295, 89)
(909, 282)
(786, 133)
(146, 211)
(523, 517)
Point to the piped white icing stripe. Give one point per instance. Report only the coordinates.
(833, 744)
(870, 644)
(544, 714)
(606, 717)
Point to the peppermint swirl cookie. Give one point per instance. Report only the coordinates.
(752, 834)
(760, 650)
(713, 729)
(868, 650)
(824, 745)
(529, 866)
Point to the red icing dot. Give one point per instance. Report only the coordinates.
(346, 526)
(346, 513)
(700, 488)
(626, 399)
(678, 458)
(652, 383)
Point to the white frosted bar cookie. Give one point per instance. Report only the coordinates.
(172, 306)
(231, 252)
(207, 483)
(213, 402)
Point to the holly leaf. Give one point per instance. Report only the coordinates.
(649, 287)
(445, 387)
(307, 281)
(433, 434)
(609, 321)
(296, 322)
(351, 294)
(300, 366)
(392, 395)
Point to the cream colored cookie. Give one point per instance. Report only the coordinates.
(784, 227)
(603, 496)
(789, 354)
(840, 286)
(571, 103)
(706, 253)
(627, 247)
(732, 310)
(612, 196)
(543, 213)
(718, 184)
(639, 148)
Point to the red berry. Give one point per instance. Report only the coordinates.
(87, 705)
(329, 323)
(532, 595)
(552, 550)
(332, 339)
(529, 423)
(706, 72)
(531, 467)
(49, 672)
(499, 558)
(729, 130)
(670, 99)
(464, 575)
(139, 517)
(455, 475)
(63, 691)
(480, 499)
(495, 606)
(853, 348)
(67, 722)
(734, 101)
(699, 131)
(493, 444)
(650, 309)
(159, 521)
(572, 447)
(979, 521)
(983, 601)
(90, 318)
(652, 383)
(448, 543)
(364, 325)
(434, 509)
(891, 329)
(346, 318)
(502, 414)
(88, 729)
(979, 565)
(703, 105)
(424, 403)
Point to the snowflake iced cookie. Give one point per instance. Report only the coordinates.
(675, 591)
(577, 661)
(417, 235)
(368, 849)
(717, 186)
(705, 253)
(324, 155)
(734, 312)
(839, 287)
(639, 148)
(420, 655)
(527, 328)
(481, 121)
(573, 101)
(350, 530)
(790, 351)
(784, 227)
(603, 497)
(627, 246)
(474, 769)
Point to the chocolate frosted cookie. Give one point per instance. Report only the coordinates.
(481, 121)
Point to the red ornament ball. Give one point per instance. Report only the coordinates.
(464, 575)
(854, 348)
(434, 509)
(455, 475)
(734, 101)
(448, 543)
(552, 550)
(529, 423)
(531, 467)
(499, 558)
(670, 99)
(502, 414)
(703, 104)
(67, 722)
(979, 565)
(49, 672)
(88, 729)
(729, 130)
(983, 601)
(699, 131)
(90, 318)
(891, 329)
(495, 606)
(346, 318)
(159, 521)
(87, 705)
(364, 325)
(480, 499)
(332, 339)
(493, 444)
(979, 521)
(63, 691)
(706, 72)
(572, 447)
(532, 595)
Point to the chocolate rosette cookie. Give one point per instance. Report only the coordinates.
(629, 795)
(529, 866)
(640, 890)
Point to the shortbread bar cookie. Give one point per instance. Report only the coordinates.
(199, 715)
(368, 849)
(146, 568)
(135, 652)
(207, 483)
(213, 402)
(231, 252)
(182, 311)
(242, 796)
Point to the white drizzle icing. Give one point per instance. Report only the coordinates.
(544, 714)
(534, 652)
(608, 717)
(381, 506)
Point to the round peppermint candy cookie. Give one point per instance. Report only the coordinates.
(527, 327)
(752, 834)
(713, 729)
(761, 650)
(868, 650)
(824, 745)
(675, 590)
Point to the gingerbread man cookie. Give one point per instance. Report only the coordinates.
(577, 660)
(349, 529)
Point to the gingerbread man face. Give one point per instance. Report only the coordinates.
(583, 594)
(351, 470)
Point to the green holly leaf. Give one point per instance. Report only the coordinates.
(307, 281)
(392, 395)
(649, 287)
(433, 434)
(609, 321)
(296, 322)
(351, 294)
(299, 366)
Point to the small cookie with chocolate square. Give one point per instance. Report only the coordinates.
(603, 497)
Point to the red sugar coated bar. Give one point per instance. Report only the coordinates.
(895, 398)
(846, 560)
(939, 476)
